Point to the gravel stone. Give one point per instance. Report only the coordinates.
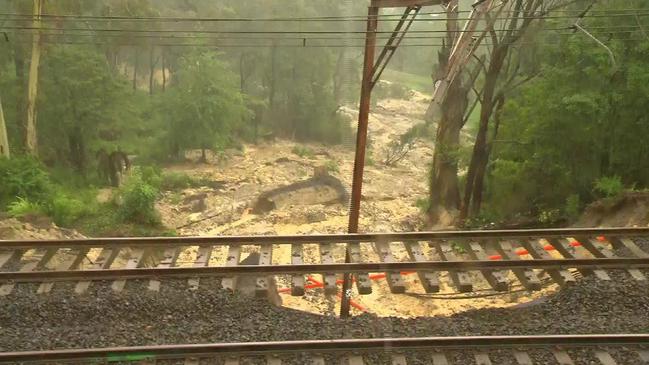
(176, 314)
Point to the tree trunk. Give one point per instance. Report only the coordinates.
(135, 64)
(444, 192)
(4, 140)
(242, 76)
(31, 141)
(164, 71)
(339, 76)
(480, 156)
(77, 150)
(151, 70)
(273, 67)
(19, 63)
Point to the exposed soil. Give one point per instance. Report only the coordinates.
(389, 201)
(628, 210)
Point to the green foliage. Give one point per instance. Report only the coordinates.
(176, 181)
(573, 206)
(151, 175)
(179, 180)
(608, 186)
(580, 121)
(138, 199)
(204, 108)
(332, 166)
(23, 178)
(303, 151)
(423, 204)
(23, 207)
(82, 107)
(549, 216)
(65, 211)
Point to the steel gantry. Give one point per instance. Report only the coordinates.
(373, 67)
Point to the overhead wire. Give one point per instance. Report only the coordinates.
(63, 33)
(275, 32)
(268, 45)
(275, 35)
(360, 18)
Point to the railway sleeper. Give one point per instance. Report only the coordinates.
(329, 279)
(496, 279)
(363, 282)
(527, 277)
(203, 256)
(394, 279)
(561, 277)
(460, 278)
(429, 279)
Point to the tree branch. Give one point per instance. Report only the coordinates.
(642, 29)
(480, 62)
(492, 31)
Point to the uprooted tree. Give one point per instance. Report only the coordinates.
(444, 196)
(502, 73)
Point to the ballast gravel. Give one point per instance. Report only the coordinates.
(176, 314)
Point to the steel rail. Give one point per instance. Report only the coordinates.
(389, 344)
(243, 270)
(324, 238)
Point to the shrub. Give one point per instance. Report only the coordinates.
(608, 187)
(423, 204)
(151, 175)
(176, 181)
(332, 166)
(573, 206)
(138, 200)
(23, 177)
(172, 181)
(303, 151)
(399, 148)
(23, 207)
(549, 216)
(65, 210)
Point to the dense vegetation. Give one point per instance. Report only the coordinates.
(575, 132)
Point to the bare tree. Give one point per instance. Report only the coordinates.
(399, 148)
(31, 141)
(444, 192)
(4, 140)
(522, 15)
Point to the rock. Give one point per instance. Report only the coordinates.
(189, 198)
(315, 216)
(198, 206)
(137, 316)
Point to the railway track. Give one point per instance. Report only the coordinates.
(483, 350)
(499, 257)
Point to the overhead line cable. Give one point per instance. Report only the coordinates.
(363, 18)
(270, 45)
(213, 31)
(63, 33)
